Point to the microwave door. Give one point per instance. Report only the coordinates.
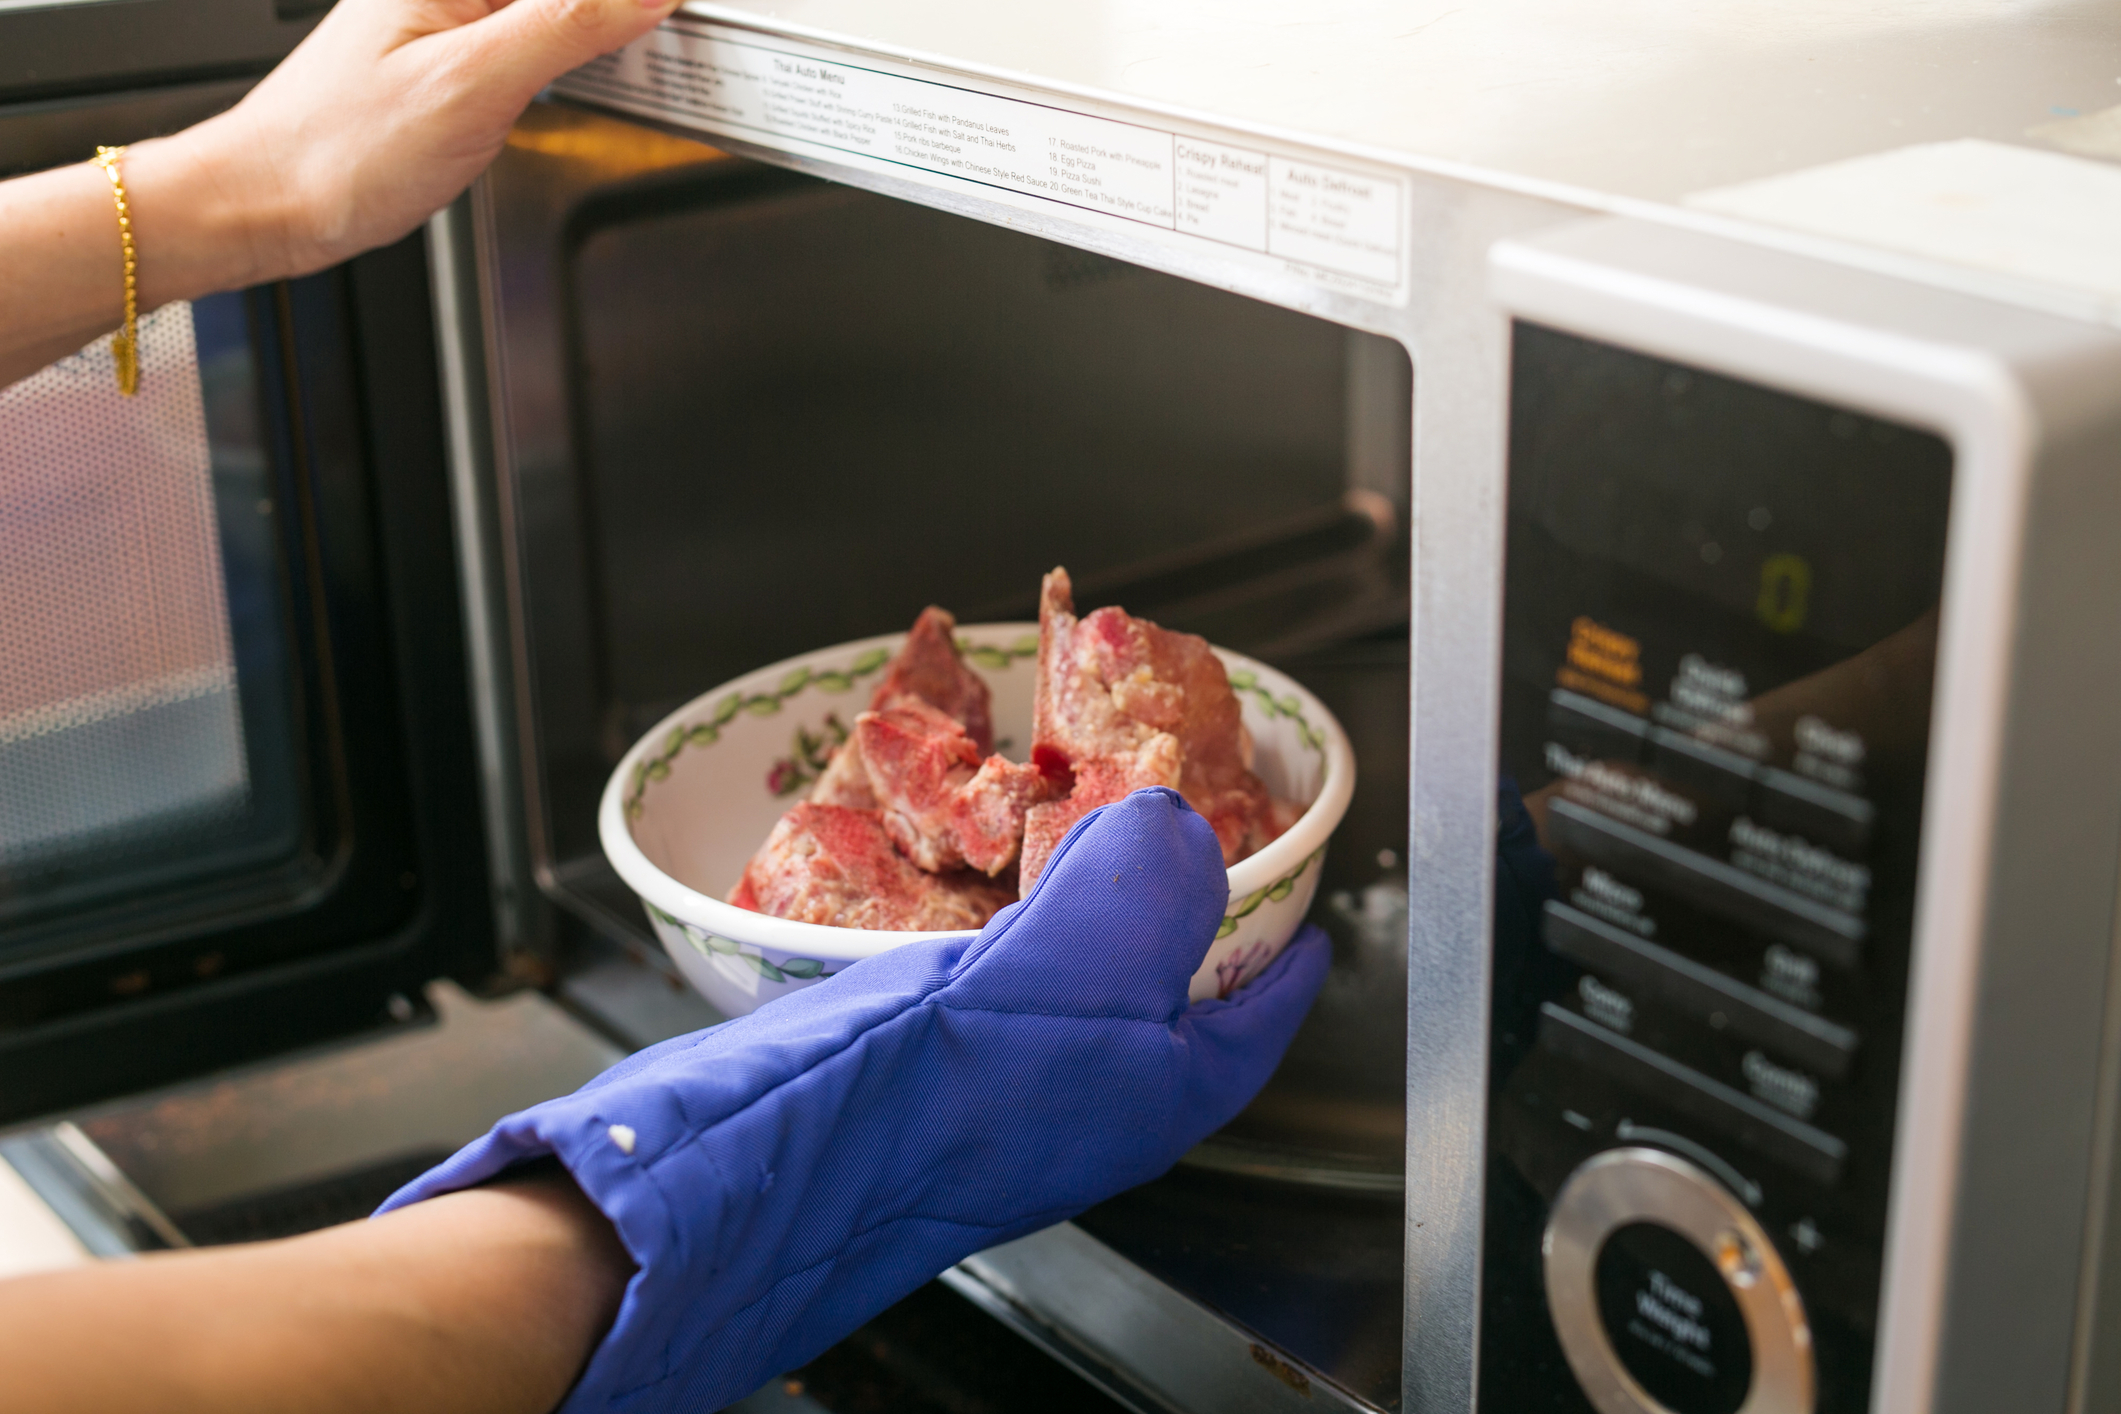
(238, 810)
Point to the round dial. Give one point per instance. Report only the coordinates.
(1668, 1297)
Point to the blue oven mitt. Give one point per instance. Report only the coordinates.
(781, 1178)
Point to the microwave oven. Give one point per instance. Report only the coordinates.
(1710, 432)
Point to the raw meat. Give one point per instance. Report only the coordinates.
(941, 805)
(917, 758)
(1122, 704)
(828, 864)
(914, 818)
(991, 809)
(927, 671)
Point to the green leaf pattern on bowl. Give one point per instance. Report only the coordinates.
(809, 757)
(1272, 893)
(1245, 681)
(761, 704)
(710, 946)
(994, 659)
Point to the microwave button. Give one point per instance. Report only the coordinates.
(1820, 813)
(1798, 1146)
(1653, 971)
(1718, 780)
(1592, 730)
(1710, 884)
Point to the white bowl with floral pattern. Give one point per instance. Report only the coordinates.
(697, 795)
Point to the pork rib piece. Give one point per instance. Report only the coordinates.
(926, 670)
(832, 865)
(991, 809)
(1124, 704)
(941, 804)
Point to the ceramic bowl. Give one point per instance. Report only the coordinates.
(696, 796)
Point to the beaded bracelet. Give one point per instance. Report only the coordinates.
(125, 344)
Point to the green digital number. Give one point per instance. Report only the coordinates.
(1785, 592)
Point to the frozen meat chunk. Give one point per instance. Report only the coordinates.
(1121, 704)
(941, 804)
(927, 670)
(828, 864)
(918, 759)
(989, 815)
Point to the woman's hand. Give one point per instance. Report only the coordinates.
(387, 111)
(380, 117)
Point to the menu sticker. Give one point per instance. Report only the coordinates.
(1341, 220)
(1320, 218)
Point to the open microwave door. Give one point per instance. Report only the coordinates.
(238, 808)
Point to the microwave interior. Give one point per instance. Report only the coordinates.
(747, 412)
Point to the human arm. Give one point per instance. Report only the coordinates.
(380, 117)
(487, 1301)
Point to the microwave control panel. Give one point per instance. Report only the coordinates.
(1720, 619)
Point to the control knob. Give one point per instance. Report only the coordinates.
(1668, 1297)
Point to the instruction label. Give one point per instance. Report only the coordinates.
(781, 94)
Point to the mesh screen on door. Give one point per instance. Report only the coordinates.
(120, 716)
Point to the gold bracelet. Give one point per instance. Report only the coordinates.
(125, 344)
